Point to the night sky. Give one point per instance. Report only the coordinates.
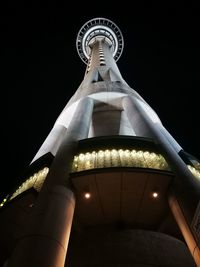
(41, 70)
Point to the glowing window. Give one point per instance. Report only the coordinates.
(119, 158)
(36, 181)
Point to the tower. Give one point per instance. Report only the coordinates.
(102, 186)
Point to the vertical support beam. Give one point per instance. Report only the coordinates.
(171, 140)
(46, 237)
(185, 183)
(78, 129)
(52, 141)
(185, 229)
(131, 104)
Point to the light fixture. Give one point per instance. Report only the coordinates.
(87, 195)
(155, 194)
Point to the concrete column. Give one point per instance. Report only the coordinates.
(129, 248)
(185, 185)
(130, 105)
(52, 141)
(45, 240)
(78, 129)
(173, 142)
(185, 229)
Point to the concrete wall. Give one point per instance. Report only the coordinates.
(135, 248)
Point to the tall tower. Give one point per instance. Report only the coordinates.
(109, 186)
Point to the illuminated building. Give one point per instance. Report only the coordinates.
(109, 186)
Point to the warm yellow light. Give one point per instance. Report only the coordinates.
(36, 181)
(119, 158)
(194, 171)
(155, 194)
(87, 195)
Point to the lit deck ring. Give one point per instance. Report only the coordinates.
(99, 27)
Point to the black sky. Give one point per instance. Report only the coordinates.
(41, 70)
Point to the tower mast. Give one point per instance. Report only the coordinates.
(108, 161)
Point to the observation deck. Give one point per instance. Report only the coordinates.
(97, 29)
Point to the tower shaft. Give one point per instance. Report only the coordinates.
(109, 170)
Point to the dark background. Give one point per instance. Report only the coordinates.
(40, 69)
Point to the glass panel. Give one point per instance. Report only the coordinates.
(194, 171)
(36, 181)
(119, 158)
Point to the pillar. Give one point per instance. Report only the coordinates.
(185, 229)
(185, 185)
(45, 239)
(130, 104)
